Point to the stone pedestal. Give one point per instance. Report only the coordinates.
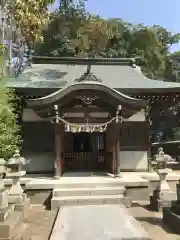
(16, 191)
(23, 206)
(162, 195)
(16, 195)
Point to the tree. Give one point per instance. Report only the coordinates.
(62, 30)
(72, 31)
(10, 138)
(174, 59)
(152, 44)
(164, 121)
(30, 16)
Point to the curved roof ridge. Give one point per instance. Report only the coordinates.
(86, 85)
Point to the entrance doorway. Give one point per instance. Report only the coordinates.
(88, 152)
(82, 142)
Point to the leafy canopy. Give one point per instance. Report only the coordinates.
(72, 31)
(30, 16)
(10, 138)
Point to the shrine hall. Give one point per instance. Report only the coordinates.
(88, 115)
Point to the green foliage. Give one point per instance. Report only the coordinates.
(72, 31)
(10, 138)
(30, 16)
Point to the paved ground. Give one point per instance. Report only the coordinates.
(93, 222)
(40, 221)
(152, 223)
(38, 224)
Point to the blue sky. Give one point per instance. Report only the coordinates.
(163, 12)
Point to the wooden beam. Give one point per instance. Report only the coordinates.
(85, 109)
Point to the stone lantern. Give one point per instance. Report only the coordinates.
(162, 195)
(16, 193)
(11, 215)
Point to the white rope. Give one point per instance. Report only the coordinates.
(89, 125)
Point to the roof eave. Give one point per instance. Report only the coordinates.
(136, 91)
(83, 61)
(60, 94)
(149, 90)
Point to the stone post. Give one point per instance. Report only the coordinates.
(3, 194)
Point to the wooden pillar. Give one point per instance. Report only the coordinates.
(117, 158)
(58, 152)
(114, 159)
(61, 159)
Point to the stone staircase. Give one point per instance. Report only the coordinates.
(89, 194)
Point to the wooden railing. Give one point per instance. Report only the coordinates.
(84, 161)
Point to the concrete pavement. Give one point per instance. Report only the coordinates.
(105, 222)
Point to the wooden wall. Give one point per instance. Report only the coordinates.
(38, 136)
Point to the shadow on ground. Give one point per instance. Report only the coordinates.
(152, 220)
(47, 202)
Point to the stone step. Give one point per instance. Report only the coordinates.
(57, 202)
(90, 185)
(97, 191)
(85, 183)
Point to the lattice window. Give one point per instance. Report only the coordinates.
(134, 136)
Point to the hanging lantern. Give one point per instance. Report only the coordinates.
(118, 114)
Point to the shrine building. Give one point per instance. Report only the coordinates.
(88, 114)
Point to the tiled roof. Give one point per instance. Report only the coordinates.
(121, 76)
